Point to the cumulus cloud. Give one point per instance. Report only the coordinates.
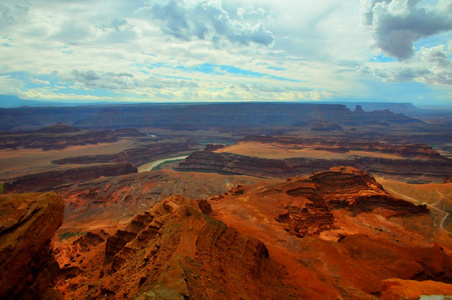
(429, 65)
(397, 24)
(206, 20)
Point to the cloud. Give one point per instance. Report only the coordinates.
(39, 81)
(206, 20)
(397, 24)
(122, 81)
(429, 65)
(12, 13)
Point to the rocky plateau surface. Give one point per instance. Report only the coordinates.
(345, 145)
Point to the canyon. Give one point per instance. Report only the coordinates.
(264, 201)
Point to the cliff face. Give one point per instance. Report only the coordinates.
(45, 181)
(27, 223)
(341, 145)
(175, 250)
(136, 156)
(310, 212)
(57, 136)
(228, 163)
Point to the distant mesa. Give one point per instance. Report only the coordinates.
(58, 128)
(213, 147)
(359, 109)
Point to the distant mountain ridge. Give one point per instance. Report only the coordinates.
(196, 116)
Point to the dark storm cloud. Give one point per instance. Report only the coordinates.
(396, 25)
(206, 20)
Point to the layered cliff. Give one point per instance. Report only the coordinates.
(228, 163)
(27, 223)
(314, 199)
(57, 136)
(48, 180)
(136, 156)
(342, 145)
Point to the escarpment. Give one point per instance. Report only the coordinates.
(338, 188)
(27, 223)
(48, 180)
(136, 156)
(57, 136)
(174, 250)
(229, 163)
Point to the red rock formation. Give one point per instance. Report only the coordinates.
(337, 188)
(27, 223)
(174, 251)
(48, 180)
(228, 163)
(179, 248)
(395, 289)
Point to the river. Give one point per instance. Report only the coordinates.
(152, 165)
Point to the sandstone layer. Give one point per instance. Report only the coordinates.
(342, 145)
(176, 251)
(395, 289)
(49, 180)
(58, 136)
(27, 223)
(228, 163)
(137, 156)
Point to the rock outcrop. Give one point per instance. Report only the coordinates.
(338, 188)
(48, 180)
(27, 223)
(175, 251)
(350, 188)
(395, 289)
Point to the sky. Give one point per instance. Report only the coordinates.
(227, 50)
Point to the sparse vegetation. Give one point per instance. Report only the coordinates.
(1, 188)
(67, 235)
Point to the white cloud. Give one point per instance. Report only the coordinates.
(205, 20)
(429, 65)
(39, 81)
(148, 49)
(397, 24)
